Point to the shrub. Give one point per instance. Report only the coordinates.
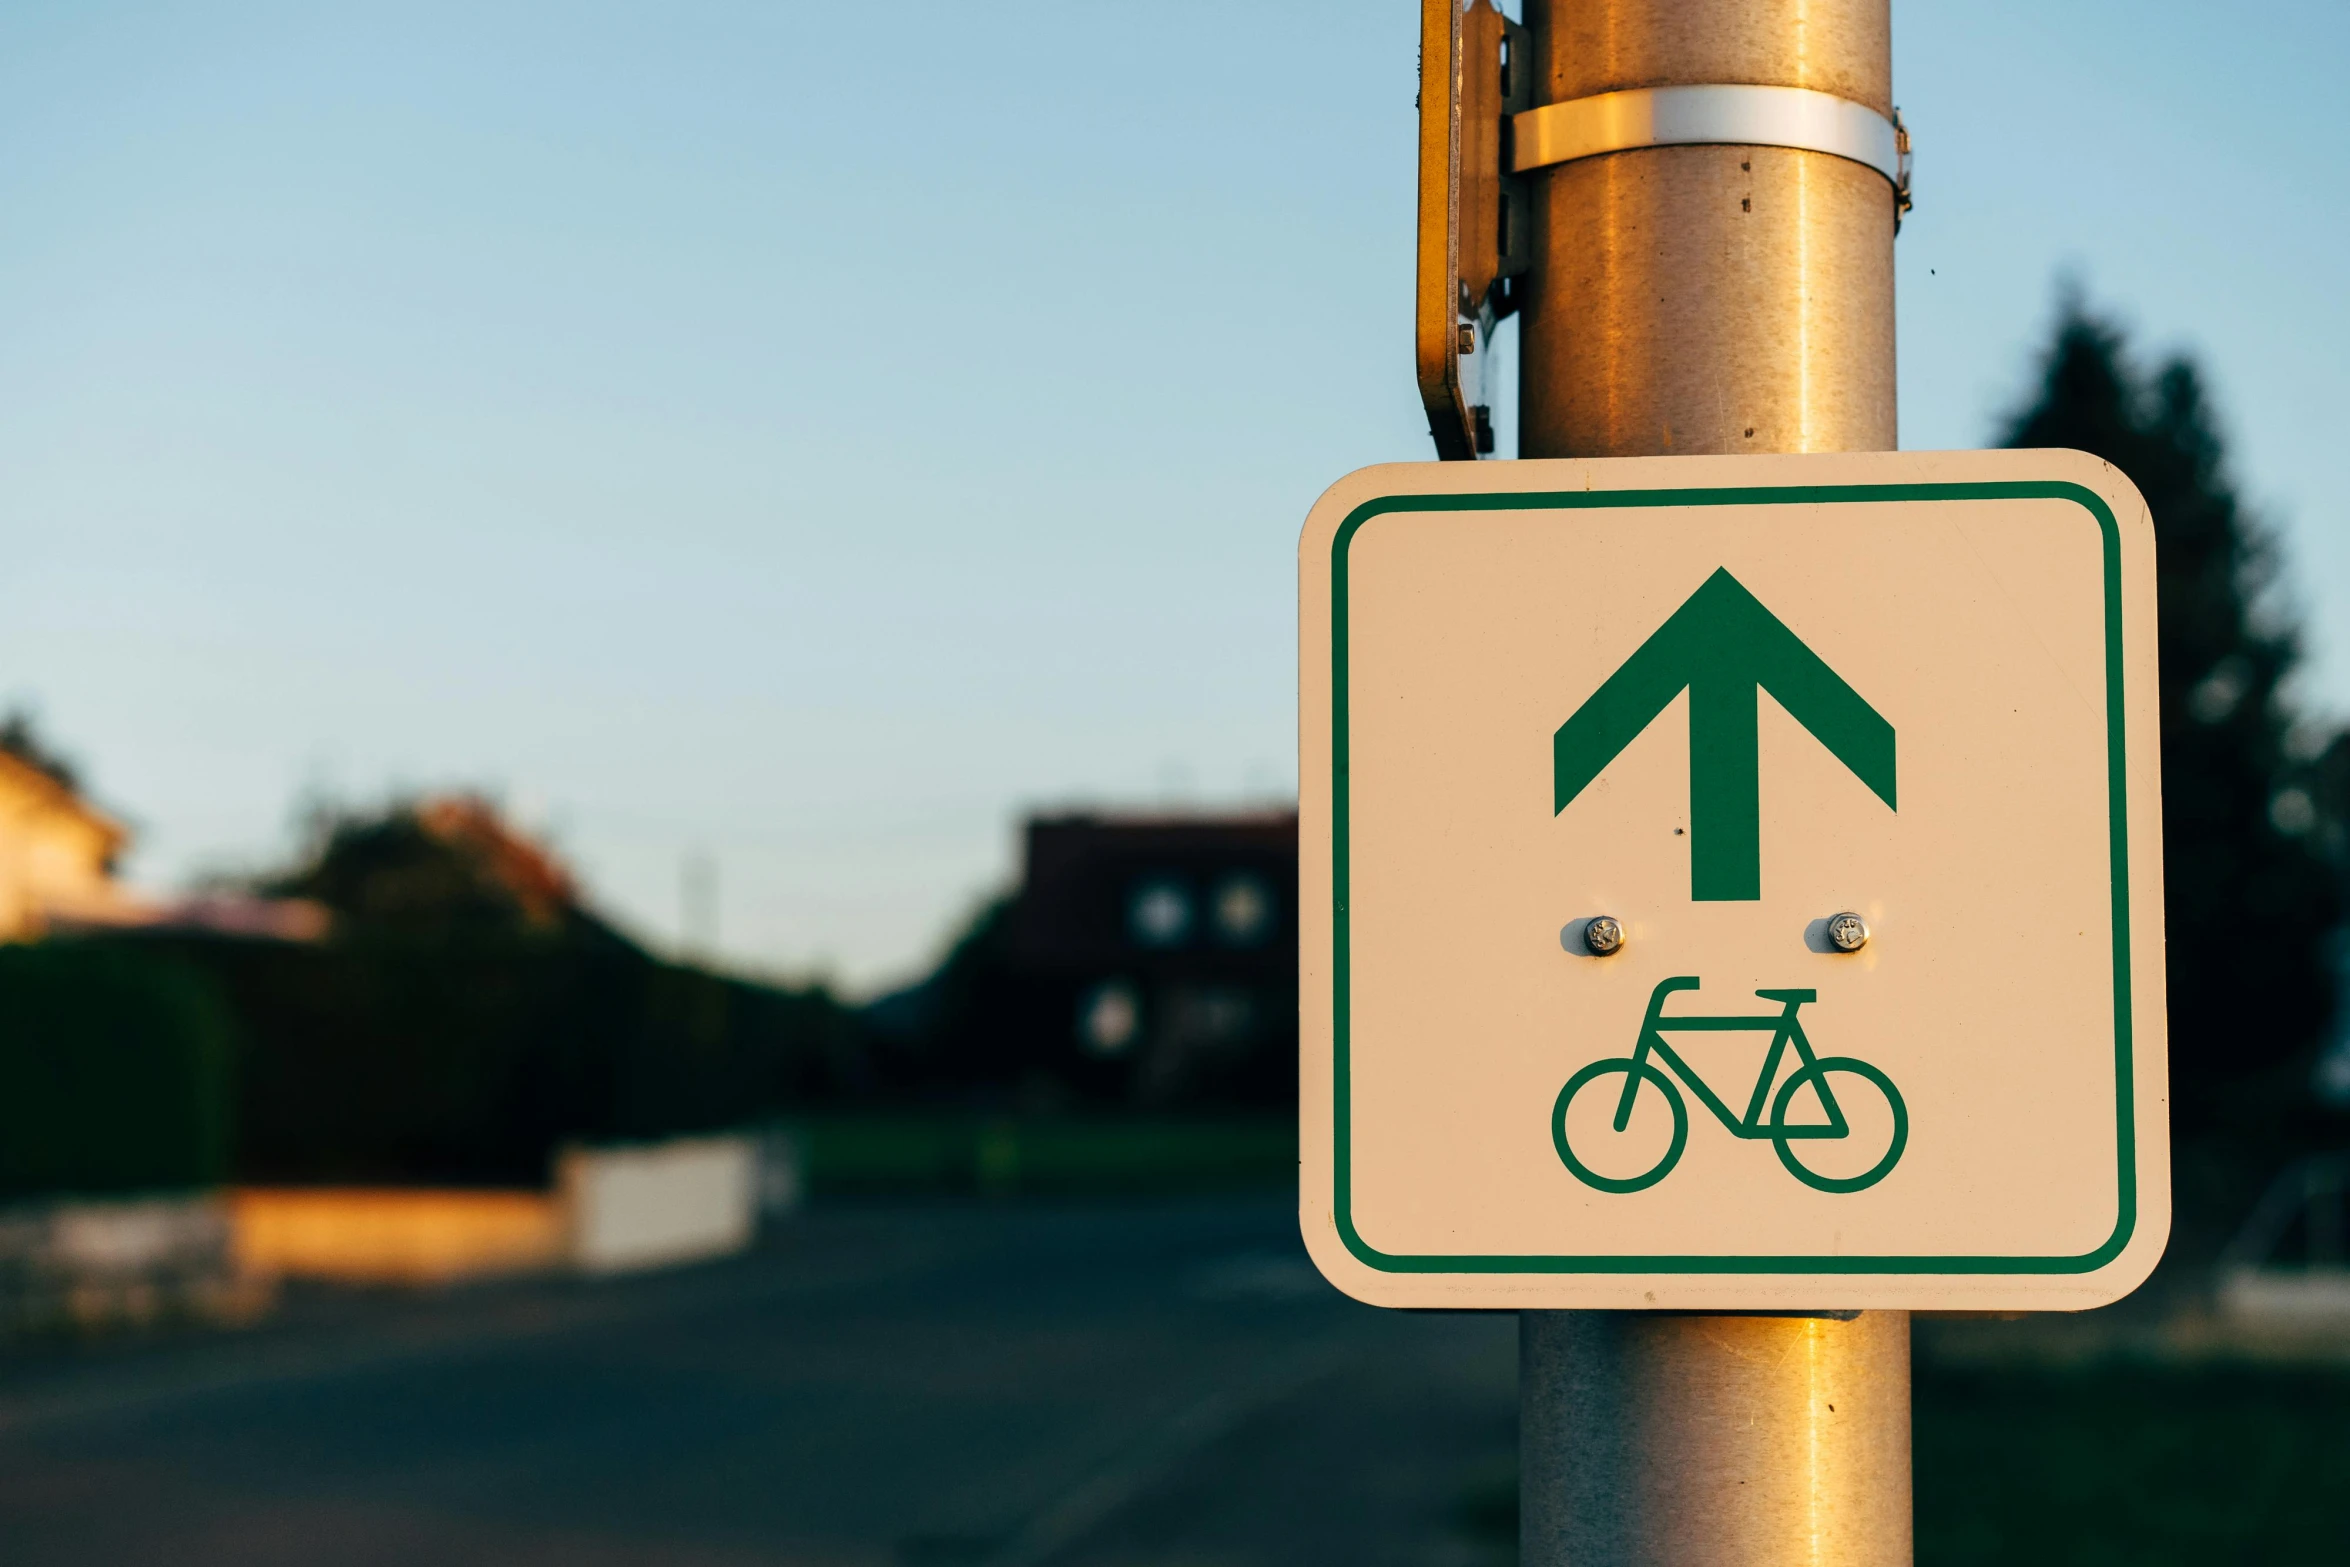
(114, 1072)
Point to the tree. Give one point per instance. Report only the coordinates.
(469, 1015)
(2251, 896)
(448, 865)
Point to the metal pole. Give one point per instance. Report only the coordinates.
(1708, 1441)
(1711, 299)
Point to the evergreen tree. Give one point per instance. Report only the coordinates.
(2251, 898)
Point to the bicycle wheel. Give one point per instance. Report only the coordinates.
(1619, 1066)
(1843, 1066)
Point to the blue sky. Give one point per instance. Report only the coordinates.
(806, 437)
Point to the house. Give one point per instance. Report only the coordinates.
(58, 857)
(57, 853)
(1153, 959)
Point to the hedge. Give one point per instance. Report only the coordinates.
(115, 1072)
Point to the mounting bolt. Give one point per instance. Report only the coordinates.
(1847, 932)
(1603, 935)
(1468, 338)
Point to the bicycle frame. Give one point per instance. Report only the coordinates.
(1784, 1030)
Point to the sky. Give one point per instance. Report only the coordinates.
(782, 444)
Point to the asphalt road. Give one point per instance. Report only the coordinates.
(923, 1386)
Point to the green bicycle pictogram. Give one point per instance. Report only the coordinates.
(1785, 1030)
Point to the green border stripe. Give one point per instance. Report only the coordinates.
(2116, 757)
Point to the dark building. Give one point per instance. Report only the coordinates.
(1149, 960)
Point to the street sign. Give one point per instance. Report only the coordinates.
(1732, 882)
(1474, 240)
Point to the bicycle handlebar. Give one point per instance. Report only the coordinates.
(1789, 999)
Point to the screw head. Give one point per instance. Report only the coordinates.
(1847, 932)
(1602, 935)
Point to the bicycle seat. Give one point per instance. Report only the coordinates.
(1789, 995)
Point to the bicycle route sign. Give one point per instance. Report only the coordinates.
(1732, 883)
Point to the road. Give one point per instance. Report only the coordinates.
(1019, 1384)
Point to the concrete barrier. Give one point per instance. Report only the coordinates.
(662, 1203)
(2290, 1297)
(396, 1235)
(613, 1210)
(2285, 1268)
(88, 1264)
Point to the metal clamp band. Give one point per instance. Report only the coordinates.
(1738, 116)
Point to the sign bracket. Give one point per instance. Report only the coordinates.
(1476, 238)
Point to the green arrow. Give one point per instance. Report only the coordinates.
(1722, 646)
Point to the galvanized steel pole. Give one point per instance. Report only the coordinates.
(1711, 299)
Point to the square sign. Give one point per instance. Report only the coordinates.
(1732, 882)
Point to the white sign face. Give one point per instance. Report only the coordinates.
(1694, 710)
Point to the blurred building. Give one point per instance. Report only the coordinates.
(57, 851)
(58, 861)
(1154, 958)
